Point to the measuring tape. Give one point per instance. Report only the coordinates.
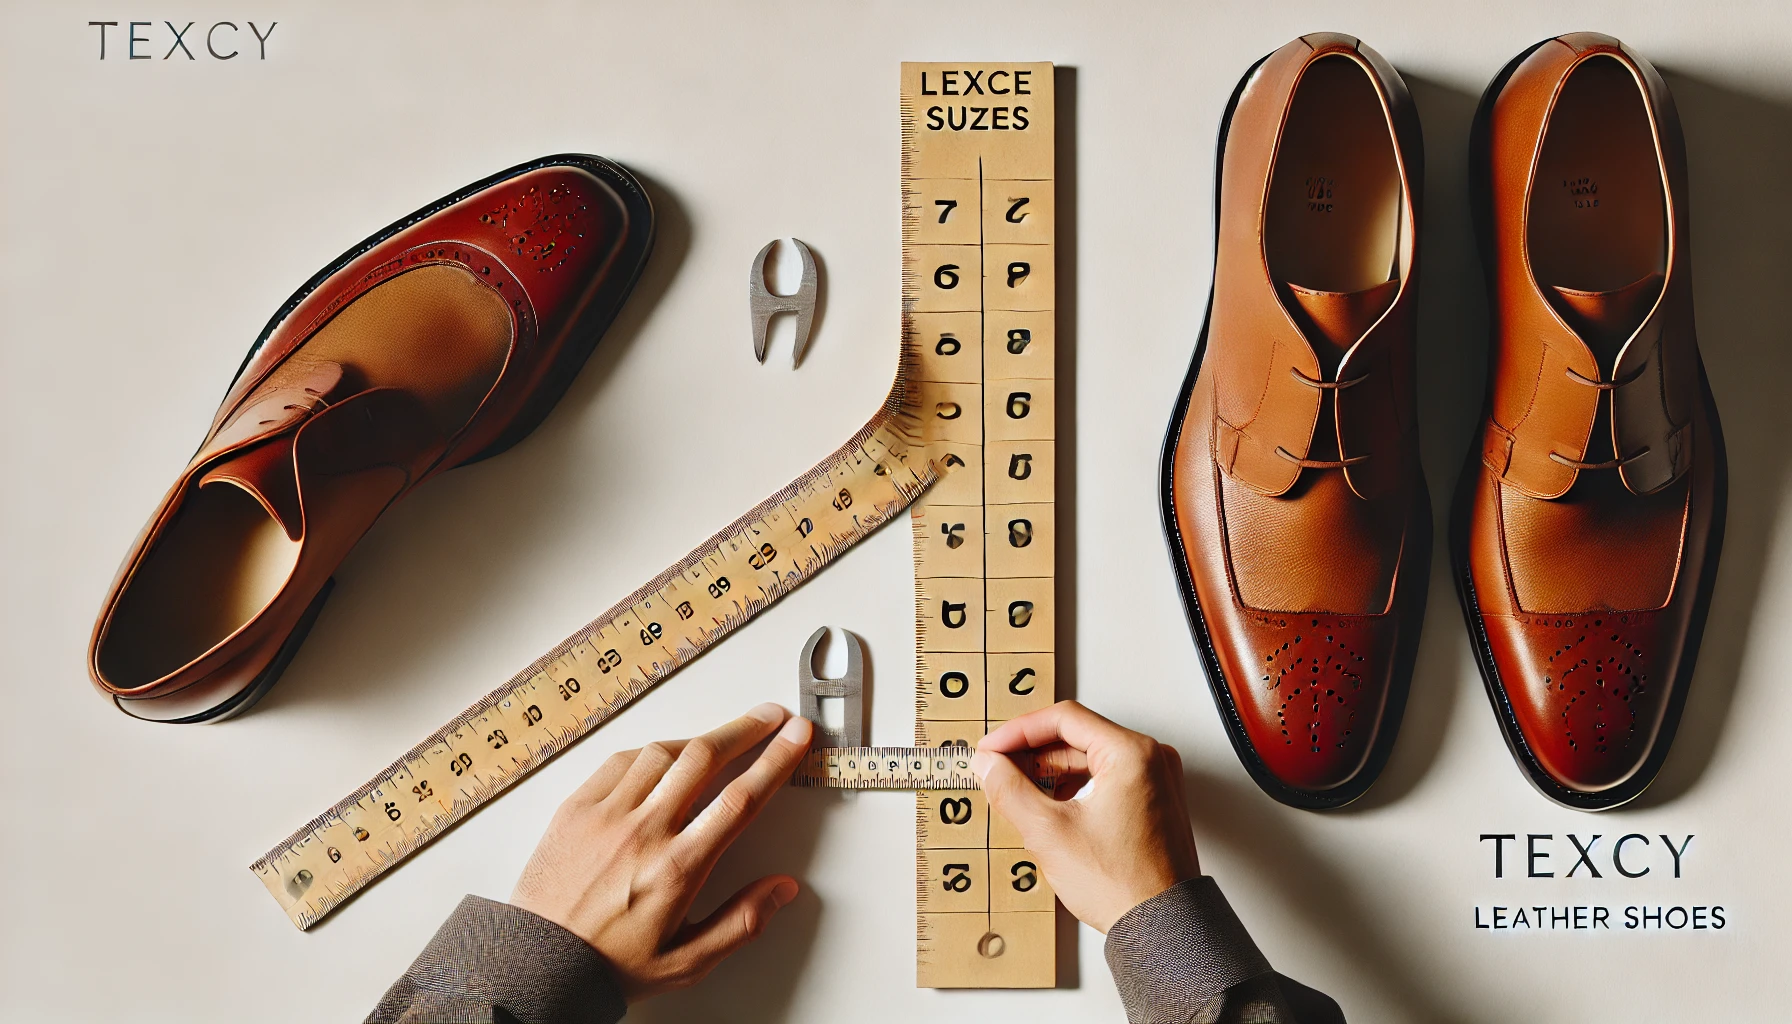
(602, 668)
(908, 768)
(887, 768)
(979, 297)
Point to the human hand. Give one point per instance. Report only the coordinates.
(1125, 840)
(619, 865)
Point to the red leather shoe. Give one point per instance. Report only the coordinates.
(1589, 518)
(441, 340)
(1295, 508)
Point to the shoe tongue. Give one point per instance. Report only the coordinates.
(1608, 319)
(266, 472)
(1335, 320)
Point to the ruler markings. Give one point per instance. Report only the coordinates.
(984, 917)
(587, 678)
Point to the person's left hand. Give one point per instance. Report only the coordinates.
(619, 866)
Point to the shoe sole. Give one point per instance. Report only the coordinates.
(1481, 199)
(600, 313)
(1405, 655)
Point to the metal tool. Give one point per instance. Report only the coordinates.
(763, 303)
(849, 687)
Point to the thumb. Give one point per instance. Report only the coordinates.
(735, 923)
(1011, 794)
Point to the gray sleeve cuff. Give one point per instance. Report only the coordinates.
(1178, 952)
(492, 963)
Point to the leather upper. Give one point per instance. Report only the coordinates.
(1539, 407)
(1264, 409)
(1589, 524)
(1297, 502)
(414, 353)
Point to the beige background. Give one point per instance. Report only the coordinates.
(157, 212)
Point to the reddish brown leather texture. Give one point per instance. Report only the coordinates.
(1589, 519)
(328, 422)
(1305, 583)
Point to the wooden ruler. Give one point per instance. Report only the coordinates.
(602, 668)
(979, 294)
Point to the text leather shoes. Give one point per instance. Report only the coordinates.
(441, 340)
(1293, 500)
(1588, 521)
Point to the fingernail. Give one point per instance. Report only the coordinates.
(980, 763)
(769, 713)
(784, 892)
(796, 730)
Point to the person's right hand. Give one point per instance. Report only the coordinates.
(1123, 841)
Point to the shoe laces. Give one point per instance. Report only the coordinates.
(1323, 385)
(1604, 387)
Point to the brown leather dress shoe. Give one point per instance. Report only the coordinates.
(443, 339)
(1587, 525)
(1297, 516)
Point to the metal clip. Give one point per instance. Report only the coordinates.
(763, 303)
(850, 686)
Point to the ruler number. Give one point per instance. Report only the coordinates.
(1015, 215)
(946, 206)
(605, 662)
(1017, 272)
(955, 811)
(951, 532)
(761, 558)
(720, 586)
(392, 811)
(1020, 532)
(1019, 404)
(1014, 685)
(460, 764)
(650, 633)
(532, 714)
(952, 614)
(497, 738)
(843, 500)
(805, 526)
(570, 687)
(955, 685)
(945, 277)
(422, 790)
(947, 345)
(958, 878)
(1018, 340)
(1026, 875)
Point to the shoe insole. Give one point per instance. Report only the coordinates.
(215, 567)
(1597, 220)
(437, 332)
(1333, 217)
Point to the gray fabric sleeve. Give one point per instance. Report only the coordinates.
(1183, 957)
(492, 963)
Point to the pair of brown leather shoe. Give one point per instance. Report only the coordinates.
(441, 340)
(1588, 520)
